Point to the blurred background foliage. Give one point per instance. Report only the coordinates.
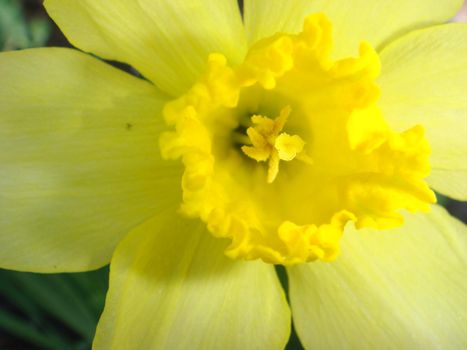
(20, 29)
(60, 311)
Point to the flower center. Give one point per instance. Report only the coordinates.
(290, 107)
(269, 143)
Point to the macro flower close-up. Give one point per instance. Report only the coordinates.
(254, 166)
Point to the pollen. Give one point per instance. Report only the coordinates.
(283, 151)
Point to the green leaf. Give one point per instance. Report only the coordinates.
(27, 332)
(62, 307)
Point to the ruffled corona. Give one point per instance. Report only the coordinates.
(281, 152)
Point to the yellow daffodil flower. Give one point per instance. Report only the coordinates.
(308, 134)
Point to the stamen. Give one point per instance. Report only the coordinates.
(272, 145)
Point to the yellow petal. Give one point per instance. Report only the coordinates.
(264, 18)
(424, 80)
(167, 41)
(171, 287)
(398, 289)
(79, 159)
(375, 21)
